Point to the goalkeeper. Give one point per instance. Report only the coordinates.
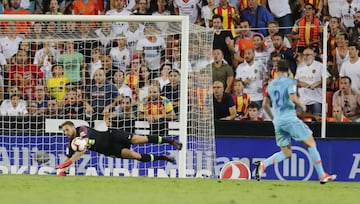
(113, 142)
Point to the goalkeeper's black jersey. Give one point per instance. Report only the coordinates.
(108, 142)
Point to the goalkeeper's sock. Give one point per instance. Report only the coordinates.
(158, 140)
(316, 160)
(275, 158)
(147, 158)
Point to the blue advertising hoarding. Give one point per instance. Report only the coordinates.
(339, 156)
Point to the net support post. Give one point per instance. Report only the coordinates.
(324, 76)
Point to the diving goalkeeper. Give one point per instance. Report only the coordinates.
(113, 142)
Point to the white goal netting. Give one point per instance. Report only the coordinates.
(105, 72)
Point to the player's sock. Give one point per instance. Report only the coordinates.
(316, 160)
(158, 140)
(147, 157)
(275, 158)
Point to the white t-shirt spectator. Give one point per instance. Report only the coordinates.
(189, 8)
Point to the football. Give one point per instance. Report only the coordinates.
(41, 157)
(78, 144)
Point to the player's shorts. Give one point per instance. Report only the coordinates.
(119, 141)
(290, 128)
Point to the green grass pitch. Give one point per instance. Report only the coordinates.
(30, 189)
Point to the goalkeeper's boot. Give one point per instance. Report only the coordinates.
(327, 178)
(259, 169)
(178, 145)
(169, 159)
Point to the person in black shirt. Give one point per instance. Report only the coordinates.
(113, 142)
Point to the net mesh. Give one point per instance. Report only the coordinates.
(103, 74)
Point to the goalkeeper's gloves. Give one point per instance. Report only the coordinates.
(62, 173)
(64, 165)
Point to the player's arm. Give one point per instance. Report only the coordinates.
(297, 102)
(267, 107)
(68, 161)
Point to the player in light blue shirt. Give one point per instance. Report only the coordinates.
(287, 125)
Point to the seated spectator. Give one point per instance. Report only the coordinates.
(224, 107)
(41, 99)
(132, 78)
(56, 84)
(45, 57)
(86, 7)
(222, 71)
(172, 89)
(1, 89)
(241, 99)
(144, 83)
(14, 108)
(95, 63)
(273, 28)
(53, 109)
(99, 94)
(73, 106)
(104, 33)
(156, 108)
(9, 44)
(106, 64)
(22, 27)
(118, 80)
(120, 55)
(338, 115)
(25, 75)
(123, 116)
(347, 99)
(53, 8)
(164, 75)
(142, 8)
(253, 113)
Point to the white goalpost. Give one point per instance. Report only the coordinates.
(186, 48)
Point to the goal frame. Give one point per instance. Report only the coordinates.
(185, 26)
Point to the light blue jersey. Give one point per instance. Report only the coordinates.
(286, 123)
(279, 90)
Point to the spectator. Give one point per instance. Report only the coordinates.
(120, 55)
(86, 44)
(230, 16)
(222, 71)
(142, 8)
(273, 28)
(46, 57)
(73, 106)
(53, 109)
(241, 99)
(355, 31)
(99, 94)
(132, 78)
(53, 8)
(25, 75)
(224, 107)
(15, 8)
(106, 64)
(119, 9)
(164, 75)
(161, 10)
(172, 89)
(105, 33)
(207, 14)
(286, 53)
(150, 49)
(351, 67)
(14, 108)
(156, 108)
(86, 7)
(309, 81)
(262, 55)
(283, 16)
(257, 16)
(41, 99)
(347, 11)
(144, 83)
(223, 39)
(57, 83)
(123, 88)
(334, 29)
(341, 53)
(32, 109)
(133, 34)
(274, 70)
(73, 63)
(338, 115)
(9, 44)
(1, 89)
(307, 24)
(95, 63)
(347, 99)
(252, 73)
(188, 8)
(123, 114)
(253, 113)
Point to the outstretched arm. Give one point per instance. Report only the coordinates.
(297, 102)
(68, 161)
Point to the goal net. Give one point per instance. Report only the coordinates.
(142, 74)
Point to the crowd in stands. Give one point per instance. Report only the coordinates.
(131, 70)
